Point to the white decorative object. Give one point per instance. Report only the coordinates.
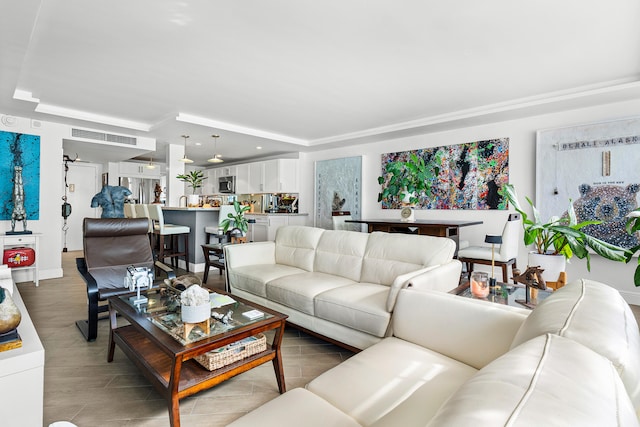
(195, 313)
(196, 306)
(552, 265)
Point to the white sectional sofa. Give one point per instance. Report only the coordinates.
(342, 285)
(453, 361)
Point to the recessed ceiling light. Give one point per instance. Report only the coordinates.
(258, 148)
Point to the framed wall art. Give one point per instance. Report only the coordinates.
(338, 189)
(465, 176)
(596, 166)
(21, 150)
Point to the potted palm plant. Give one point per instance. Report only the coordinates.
(561, 237)
(236, 221)
(194, 179)
(406, 180)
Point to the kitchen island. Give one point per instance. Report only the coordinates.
(198, 218)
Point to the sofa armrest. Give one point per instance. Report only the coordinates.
(439, 277)
(242, 254)
(471, 331)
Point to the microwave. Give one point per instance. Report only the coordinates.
(227, 184)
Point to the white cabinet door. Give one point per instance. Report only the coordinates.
(210, 185)
(276, 222)
(281, 176)
(140, 170)
(256, 177)
(242, 179)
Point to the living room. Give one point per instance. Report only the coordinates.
(573, 101)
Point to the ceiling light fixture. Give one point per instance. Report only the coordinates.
(217, 158)
(185, 159)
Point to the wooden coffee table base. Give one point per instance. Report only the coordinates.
(168, 365)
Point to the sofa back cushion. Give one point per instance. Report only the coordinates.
(340, 253)
(596, 316)
(296, 246)
(547, 381)
(388, 255)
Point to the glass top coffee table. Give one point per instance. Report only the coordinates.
(513, 295)
(154, 341)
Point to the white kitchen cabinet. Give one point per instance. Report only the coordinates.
(258, 231)
(138, 170)
(210, 185)
(280, 176)
(256, 177)
(242, 179)
(275, 222)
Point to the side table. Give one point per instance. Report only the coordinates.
(24, 240)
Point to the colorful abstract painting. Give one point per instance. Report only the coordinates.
(20, 150)
(466, 176)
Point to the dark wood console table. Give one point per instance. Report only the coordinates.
(429, 227)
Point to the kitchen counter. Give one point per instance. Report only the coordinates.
(169, 208)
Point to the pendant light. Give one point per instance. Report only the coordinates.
(151, 165)
(185, 159)
(217, 158)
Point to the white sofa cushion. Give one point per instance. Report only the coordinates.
(297, 407)
(299, 290)
(452, 325)
(296, 246)
(596, 316)
(361, 306)
(390, 255)
(392, 383)
(253, 278)
(547, 381)
(340, 253)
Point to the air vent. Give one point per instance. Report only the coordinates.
(107, 137)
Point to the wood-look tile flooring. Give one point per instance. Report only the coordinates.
(82, 388)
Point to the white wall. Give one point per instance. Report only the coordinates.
(50, 217)
(522, 162)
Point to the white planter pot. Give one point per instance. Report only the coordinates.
(193, 200)
(552, 265)
(195, 313)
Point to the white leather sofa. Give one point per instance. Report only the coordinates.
(340, 284)
(454, 361)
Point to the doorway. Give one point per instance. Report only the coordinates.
(82, 179)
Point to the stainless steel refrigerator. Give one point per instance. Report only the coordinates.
(142, 189)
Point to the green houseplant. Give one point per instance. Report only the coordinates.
(561, 235)
(406, 178)
(193, 178)
(633, 226)
(236, 221)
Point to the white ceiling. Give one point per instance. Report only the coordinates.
(300, 75)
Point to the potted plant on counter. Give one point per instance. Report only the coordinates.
(194, 179)
(559, 237)
(406, 180)
(236, 221)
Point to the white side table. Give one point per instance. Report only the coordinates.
(24, 240)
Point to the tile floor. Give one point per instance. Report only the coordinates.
(82, 388)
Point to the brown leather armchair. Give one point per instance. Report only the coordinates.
(110, 246)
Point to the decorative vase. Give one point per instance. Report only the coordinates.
(195, 313)
(193, 200)
(10, 316)
(479, 284)
(552, 265)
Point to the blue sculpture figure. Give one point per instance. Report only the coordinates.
(111, 200)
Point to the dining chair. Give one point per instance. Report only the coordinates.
(504, 257)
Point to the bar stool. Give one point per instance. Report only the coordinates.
(129, 210)
(170, 248)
